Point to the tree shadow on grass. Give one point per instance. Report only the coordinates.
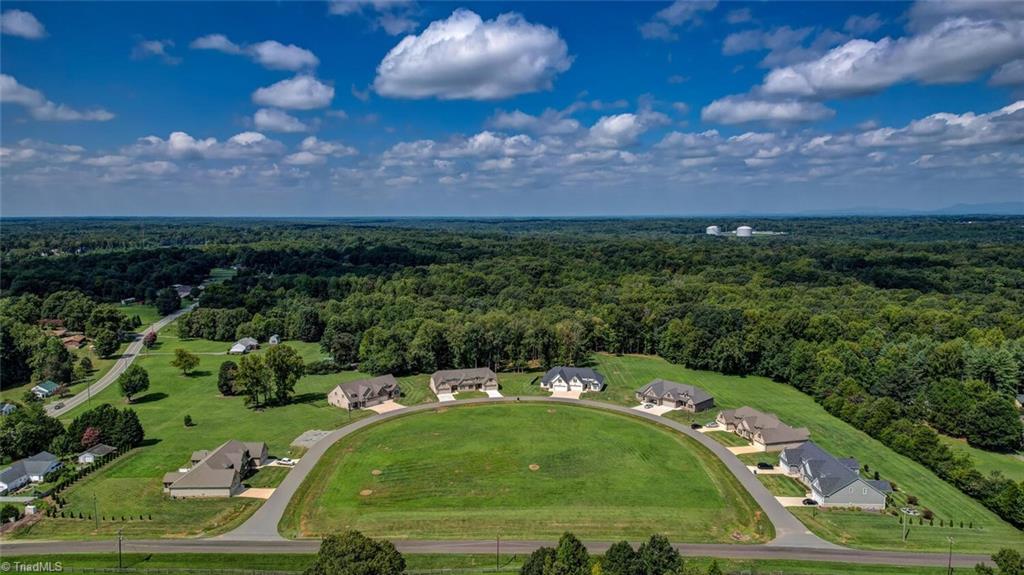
(307, 398)
(150, 441)
(200, 373)
(150, 398)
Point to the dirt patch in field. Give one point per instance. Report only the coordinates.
(551, 411)
(376, 472)
(534, 467)
(366, 492)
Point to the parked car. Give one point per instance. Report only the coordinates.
(910, 511)
(648, 405)
(711, 424)
(809, 502)
(695, 426)
(286, 461)
(763, 465)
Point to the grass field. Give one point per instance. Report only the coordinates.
(164, 564)
(727, 438)
(465, 473)
(782, 485)
(1009, 464)
(626, 373)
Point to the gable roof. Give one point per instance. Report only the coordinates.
(247, 342)
(826, 473)
(768, 426)
(460, 375)
(99, 450)
(34, 465)
(218, 468)
(568, 373)
(362, 389)
(47, 385)
(662, 388)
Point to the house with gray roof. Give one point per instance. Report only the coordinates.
(8, 408)
(833, 481)
(562, 378)
(217, 473)
(677, 395)
(244, 345)
(365, 393)
(32, 469)
(764, 430)
(456, 380)
(98, 451)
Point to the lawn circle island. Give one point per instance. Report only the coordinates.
(523, 471)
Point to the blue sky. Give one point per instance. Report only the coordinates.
(406, 108)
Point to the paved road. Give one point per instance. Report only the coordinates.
(789, 531)
(117, 369)
(259, 533)
(722, 551)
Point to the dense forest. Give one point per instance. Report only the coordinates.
(904, 327)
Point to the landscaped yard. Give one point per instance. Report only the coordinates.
(624, 374)
(1009, 464)
(465, 472)
(783, 485)
(727, 438)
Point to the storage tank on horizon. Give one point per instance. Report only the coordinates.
(713, 230)
(744, 232)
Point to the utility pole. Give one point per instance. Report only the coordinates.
(119, 564)
(949, 563)
(95, 511)
(497, 553)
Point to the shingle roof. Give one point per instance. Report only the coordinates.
(48, 386)
(35, 465)
(99, 450)
(462, 375)
(567, 373)
(217, 468)
(826, 473)
(362, 389)
(677, 391)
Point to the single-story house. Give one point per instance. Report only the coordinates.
(32, 469)
(95, 452)
(456, 380)
(45, 389)
(51, 323)
(669, 393)
(8, 408)
(364, 393)
(73, 341)
(564, 378)
(182, 290)
(216, 473)
(764, 430)
(244, 345)
(833, 481)
(274, 339)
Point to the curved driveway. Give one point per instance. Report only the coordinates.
(259, 533)
(789, 531)
(116, 370)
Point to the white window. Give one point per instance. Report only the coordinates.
(864, 491)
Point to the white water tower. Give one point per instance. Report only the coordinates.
(744, 232)
(713, 230)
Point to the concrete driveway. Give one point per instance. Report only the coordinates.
(791, 501)
(257, 492)
(773, 471)
(493, 393)
(740, 449)
(567, 394)
(655, 409)
(390, 405)
(445, 397)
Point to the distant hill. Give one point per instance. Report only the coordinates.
(987, 209)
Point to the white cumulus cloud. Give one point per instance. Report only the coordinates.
(42, 109)
(465, 57)
(21, 23)
(273, 120)
(270, 54)
(299, 93)
(742, 109)
(663, 24)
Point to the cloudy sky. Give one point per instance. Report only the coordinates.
(406, 108)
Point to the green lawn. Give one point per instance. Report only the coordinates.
(783, 485)
(624, 374)
(464, 472)
(164, 564)
(1009, 464)
(727, 439)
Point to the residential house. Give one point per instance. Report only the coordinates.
(833, 481)
(183, 291)
(274, 339)
(127, 301)
(45, 389)
(763, 430)
(217, 473)
(676, 395)
(456, 380)
(32, 469)
(8, 408)
(244, 345)
(74, 341)
(364, 393)
(563, 378)
(50, 323)
(94, 453)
